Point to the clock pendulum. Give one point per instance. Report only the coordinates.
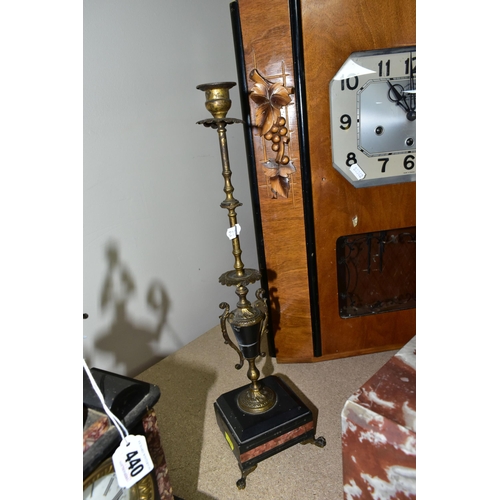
(265, 417)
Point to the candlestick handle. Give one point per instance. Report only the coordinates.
(223, 317)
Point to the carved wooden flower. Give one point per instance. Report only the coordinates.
(270, 98)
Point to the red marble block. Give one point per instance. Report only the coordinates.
(379, 433)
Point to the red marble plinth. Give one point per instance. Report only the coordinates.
(379, 432)
(152, 433)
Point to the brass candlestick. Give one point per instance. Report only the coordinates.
(248, 321)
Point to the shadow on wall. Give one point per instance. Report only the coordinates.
(132, 342)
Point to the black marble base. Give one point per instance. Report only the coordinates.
(253, 438)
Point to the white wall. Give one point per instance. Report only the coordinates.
(154, 235)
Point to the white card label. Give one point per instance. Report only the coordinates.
(132, 461)
(357, 172)
(234, 231)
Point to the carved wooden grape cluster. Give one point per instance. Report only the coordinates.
(278, 135)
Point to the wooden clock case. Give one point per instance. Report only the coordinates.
(302, 44)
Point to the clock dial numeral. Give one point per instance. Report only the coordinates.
(346, 122)
(409, 162)
(350, 83)
(351, 159)
(387, 66)
(384, 163)
(108, 487)
(118, 495)
(409, 66)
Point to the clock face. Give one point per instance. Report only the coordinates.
(373, 117)
(102, 484)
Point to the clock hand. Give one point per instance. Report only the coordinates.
(412, 115)
(400, 100)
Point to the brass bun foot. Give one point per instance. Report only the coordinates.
(320, 441)
(242, 482)
(254, 402)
